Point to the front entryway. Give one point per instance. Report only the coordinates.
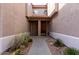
(38, 28)
(39, 46)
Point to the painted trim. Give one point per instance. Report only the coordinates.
(70, 41)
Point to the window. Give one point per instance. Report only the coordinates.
(40, 11)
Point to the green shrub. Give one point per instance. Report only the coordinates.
(29, 39)
(17, 52)
(20, 40)
(22, 46)
(24, 40)
(71, 51)
(58, 43)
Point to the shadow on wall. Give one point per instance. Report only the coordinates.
(61, 6)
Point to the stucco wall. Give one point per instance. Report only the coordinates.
(0, 22)
(29, 9)
(67, 20)
(51, 7)
(13, 18)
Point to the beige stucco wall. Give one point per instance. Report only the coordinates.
(0, 22)
(13, 18)
(67, 21)
(29, 9)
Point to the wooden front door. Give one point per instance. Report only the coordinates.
(43, 28)
(34, 28)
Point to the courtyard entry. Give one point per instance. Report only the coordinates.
(39, 28)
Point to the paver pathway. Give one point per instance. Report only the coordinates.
(39, 46)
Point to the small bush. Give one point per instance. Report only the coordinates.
(71, 51)
(17, 52)
(58, 43)
(22, 46)
(24, 40)
(21, 40)
(30, 40)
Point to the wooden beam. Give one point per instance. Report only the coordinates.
(39, 6)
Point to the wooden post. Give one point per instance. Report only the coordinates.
(39, 28)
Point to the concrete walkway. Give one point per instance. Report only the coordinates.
(39, 46)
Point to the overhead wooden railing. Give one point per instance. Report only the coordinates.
(39, 6)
